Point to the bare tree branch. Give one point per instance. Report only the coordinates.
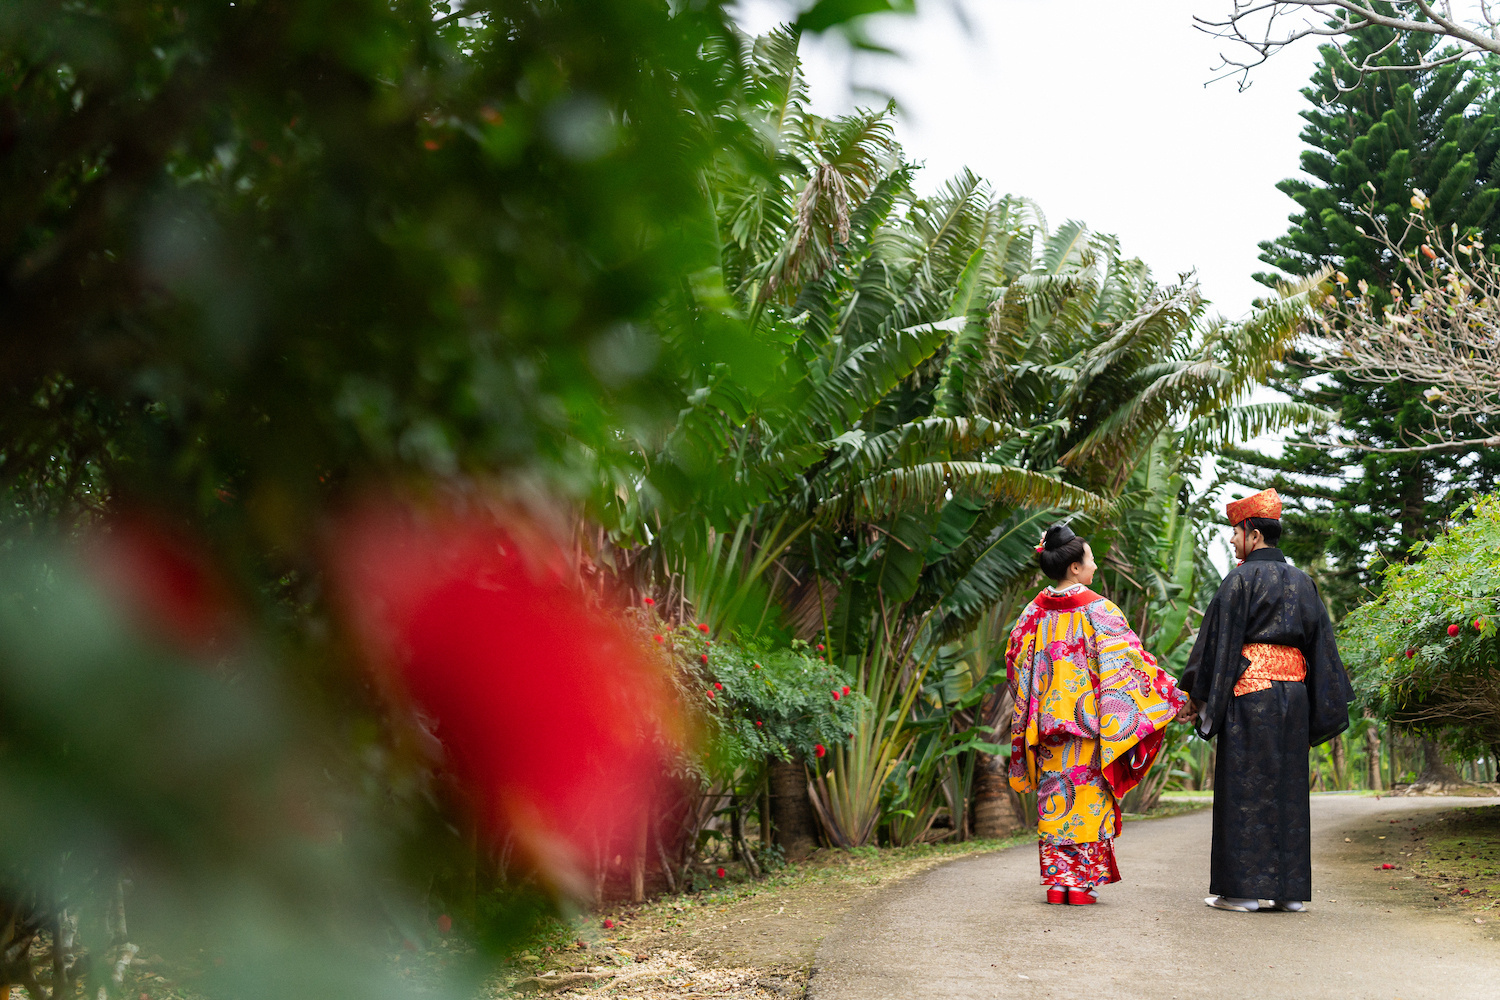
(1266, 27)
(1440, 329)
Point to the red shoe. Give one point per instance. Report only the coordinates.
(1056, 894)
(1081, 897)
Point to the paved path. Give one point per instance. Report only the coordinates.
(979, 928)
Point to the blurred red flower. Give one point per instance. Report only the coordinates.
(702, 628)
(720, 872)
(835, 695)
(657, 638)
(1411, 653)
(648, 602)
(704, 657)
(1453, 630)
(820, 647)
(820, 749)
(547, 711)
(757, 722)
(718, 686)
(608, 925)
(161, 579)
(846, 689)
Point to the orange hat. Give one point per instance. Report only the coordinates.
(1263, 504)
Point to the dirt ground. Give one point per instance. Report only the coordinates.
(752, 939)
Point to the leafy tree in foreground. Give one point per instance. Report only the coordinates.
(1425, 652)
(1353, 512)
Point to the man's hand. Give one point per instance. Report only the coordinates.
(1188, 712)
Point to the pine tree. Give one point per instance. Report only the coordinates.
(1352, 513)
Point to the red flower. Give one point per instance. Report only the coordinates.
(1387, 866)
(820, 749)
(455, 613)
(719, 872)
(757, 722)
(1478, 624)
(702, 628)
(1411, 652)
(444, 924)
(704, 657)
(835, 696)
(1453, 630)
(657, 638)
(846, 689)
(710, 694)
(608, 925)
(163, 581)
(647, 601)
(820, 647)
(755, 666)
(718, 686)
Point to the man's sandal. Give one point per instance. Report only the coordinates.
(1230, 903)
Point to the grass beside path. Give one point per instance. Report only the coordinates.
(1458, 854)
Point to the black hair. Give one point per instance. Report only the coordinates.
(1269, 528)
(1060, 550)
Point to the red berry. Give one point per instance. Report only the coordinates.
(820, 749)
(1411, 652)
(820, 647)
(719, 872)
(835, 696)
(846, 689)
(704, 657)
(710, 694)
(444, 924)
(647, 601)
(609, 925)
(1453, 630)
(657, 638)
(757, 722)
(702, 628)
(718, 686)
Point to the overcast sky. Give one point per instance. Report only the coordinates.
(1095, 109)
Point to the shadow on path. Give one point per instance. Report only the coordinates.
(979, 928)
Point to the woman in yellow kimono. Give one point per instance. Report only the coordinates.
(1091, 707)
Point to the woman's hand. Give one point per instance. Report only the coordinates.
(1188, 712)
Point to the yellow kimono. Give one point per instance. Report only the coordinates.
(1091, 707)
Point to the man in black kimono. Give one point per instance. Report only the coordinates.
(1265, 677)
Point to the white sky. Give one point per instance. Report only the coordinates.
(1095, 109)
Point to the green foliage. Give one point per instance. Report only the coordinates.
(761, 701)
(1404, 662)
(1350, 514)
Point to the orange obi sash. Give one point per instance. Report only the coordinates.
(1270, 663)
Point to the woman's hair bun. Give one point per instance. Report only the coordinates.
(1057, 536)
(1060, 549)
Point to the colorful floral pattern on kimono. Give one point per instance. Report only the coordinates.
(1081, 866)
(1077, 671)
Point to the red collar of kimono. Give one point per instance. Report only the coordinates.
(1051, 602)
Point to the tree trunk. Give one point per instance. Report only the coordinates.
(1372, 757)
(1340, 763)
(796, 828)
(992, 804)
(1438, 776)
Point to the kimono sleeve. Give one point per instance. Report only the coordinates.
(1328, 689)
(1217, 660)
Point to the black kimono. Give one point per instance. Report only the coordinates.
(1261, 839)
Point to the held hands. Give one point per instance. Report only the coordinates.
(1189, 712)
